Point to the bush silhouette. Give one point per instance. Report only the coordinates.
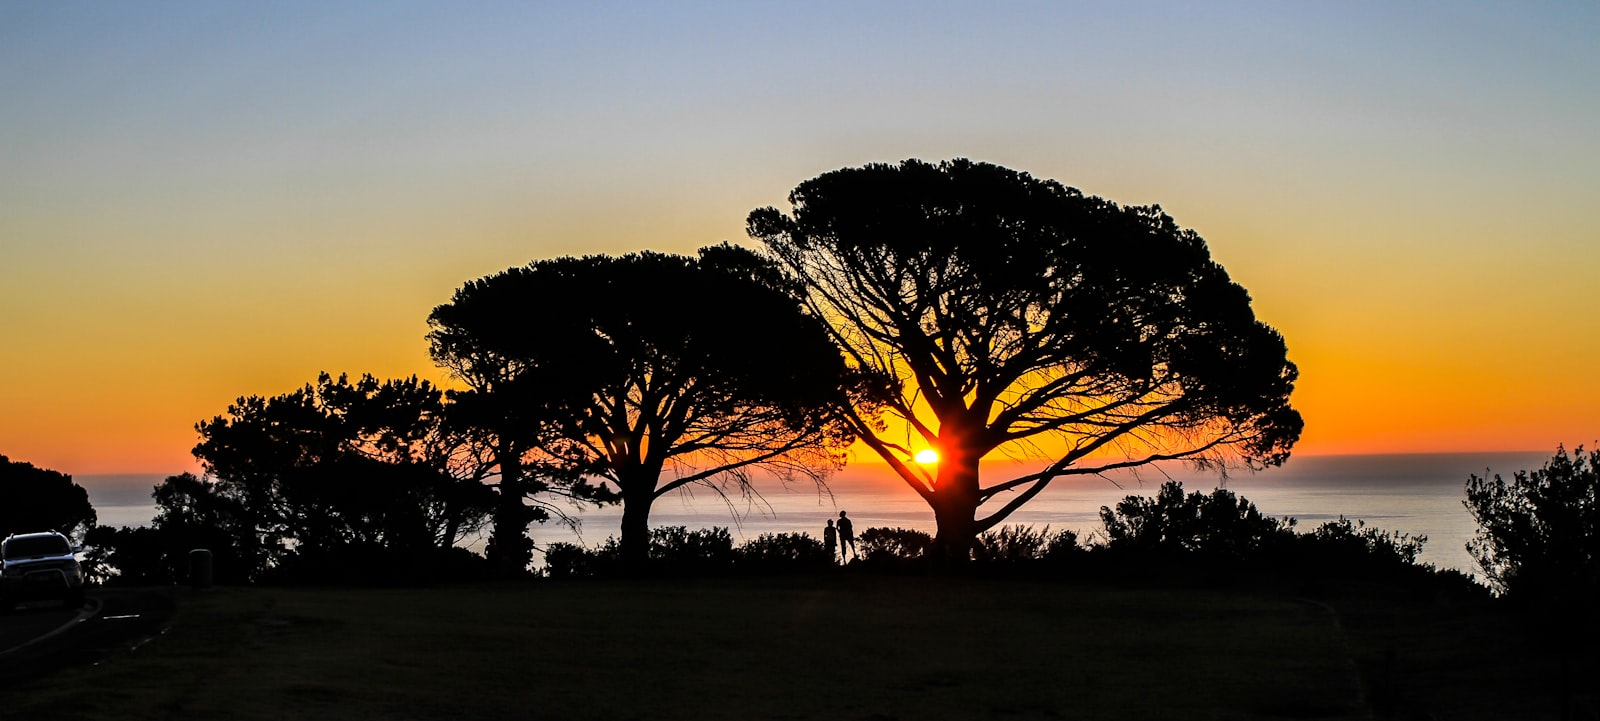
(893, 546)
(1220, 524)
(1015, 545)
(1539, 533)
(775, 552)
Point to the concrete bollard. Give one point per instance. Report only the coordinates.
(200, 568)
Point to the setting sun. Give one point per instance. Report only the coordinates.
(927, 456)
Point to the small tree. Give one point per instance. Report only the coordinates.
(1539, 534)
(38, 499)
(1538, 542)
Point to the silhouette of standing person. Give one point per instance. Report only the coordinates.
(830, 540)
(847, 539)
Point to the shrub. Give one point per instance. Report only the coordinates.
(1023, 544)
(678, 549)
(1539, 534)
(1355, 543)
(159, 555)
(893, 545)
(674, 550)
(770, 552)
(569, 560)
(128, 557)
(1220, 524)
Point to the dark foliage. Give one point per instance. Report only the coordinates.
(1219, 536)
(1022, 545)
(1219, 524)
(125, 556)
(38, 499)
(191, 513)
(1010, 310)
(673, 551)
(570, 560)
(195, 513)
(677, 551)
(647, 372)
(1352, 545)
(893, 546)
(336, 465)
(1538, 542)
(1538, 534)
(783, 553)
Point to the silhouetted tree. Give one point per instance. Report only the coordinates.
(1015, 313)
(649, 372)
(339, 463)
(36, 499)
(191, 513)
(1539, 534)
(1538, 542)
(469, 341)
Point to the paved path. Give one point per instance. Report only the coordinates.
(40, 637)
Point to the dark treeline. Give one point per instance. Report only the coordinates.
(1535, 542)
(338, 480)
(1171, 537)
(36, 499)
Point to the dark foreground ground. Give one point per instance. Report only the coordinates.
(838, 647)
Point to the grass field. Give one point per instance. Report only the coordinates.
(846, 647)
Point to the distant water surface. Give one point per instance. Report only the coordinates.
(1419, 494)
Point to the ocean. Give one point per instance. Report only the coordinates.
(1418, 494)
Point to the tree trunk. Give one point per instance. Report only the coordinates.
(509, 549)
(635, 541)
(955, 508)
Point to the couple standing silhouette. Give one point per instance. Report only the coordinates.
(842, 537)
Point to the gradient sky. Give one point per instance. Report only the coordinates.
(205, 200)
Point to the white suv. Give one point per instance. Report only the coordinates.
(39, 565)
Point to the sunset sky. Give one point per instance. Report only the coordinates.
(205, 200)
